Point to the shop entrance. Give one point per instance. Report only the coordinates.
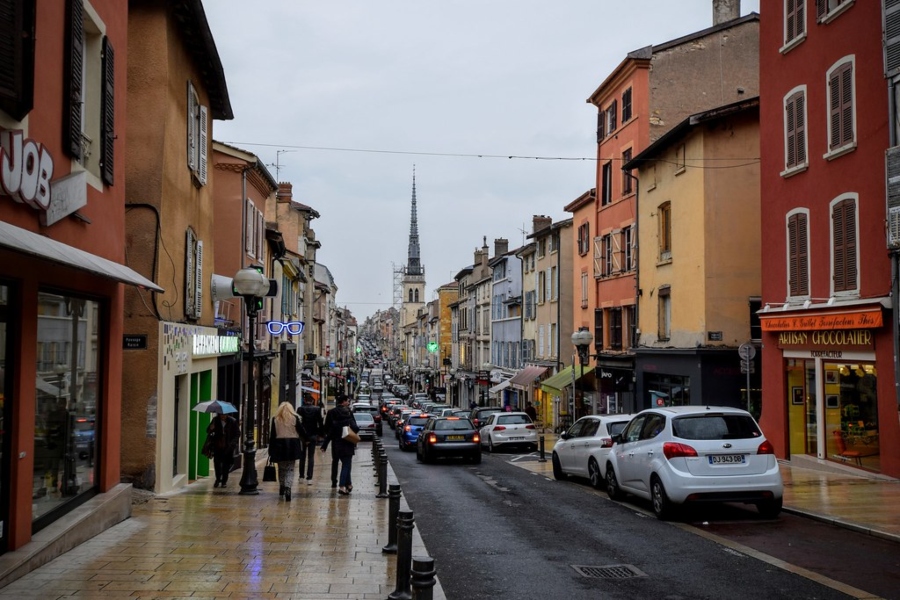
(801, 382)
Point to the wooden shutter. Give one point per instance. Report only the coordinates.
(203, 141)
(616, 242)
(844, 232)
(790, 127)
(73, 80)
(847, 104)
(192, 107)
(798, 257)
(190, 274)
(17, 57)
(598, 257)
(198, 279)
(108, 114)
(626, 105)
(601, 119)
(613, 114)
(795, 24)
(821, 9)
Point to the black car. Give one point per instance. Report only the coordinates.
(448, 436)
(480, 414)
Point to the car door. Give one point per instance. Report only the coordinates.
(645, 450)
(485, 430)
(625, 452)
(565, 448)
(582, 450)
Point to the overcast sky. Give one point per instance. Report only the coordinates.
(346, 96)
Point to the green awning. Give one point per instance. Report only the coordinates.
(563, 379)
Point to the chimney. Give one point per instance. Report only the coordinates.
(285, 193)
(539, 222)
(501, 247)
(725, 10)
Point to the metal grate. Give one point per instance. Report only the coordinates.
(609, 571)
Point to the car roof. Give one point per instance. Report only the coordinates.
(676, 411)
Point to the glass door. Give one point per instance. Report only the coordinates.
(801, 398)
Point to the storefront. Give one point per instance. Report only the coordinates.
(826, 398)
(616, 388)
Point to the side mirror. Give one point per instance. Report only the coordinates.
(564, 435)
(617, 439)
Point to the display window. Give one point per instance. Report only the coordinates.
(65, 427)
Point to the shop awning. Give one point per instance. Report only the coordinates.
(563, 379)
(22, 240)
(526, 376)
(500, 386)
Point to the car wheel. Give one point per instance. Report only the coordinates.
(557, 469)
(662, 506)
(769, 509)
(594, 474)
(612, 484)
(490, 445)
(426, 458)
(419, 454)
(476, 459)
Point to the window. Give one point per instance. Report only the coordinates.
(542, 287)
(627, 186)
(88, 119)
(17, 58)
(598, 329)
(798, 254)
(548, 281)
(841, 134)
(794, 21)
(665, 231)
(607, 256)
(193, 276)
(665, 313)
(631, 324)
(755, 304)
(628, 240)
(542, 247)
(197, 136)
(626, 105)
(584, 289)
(844, 254)
(584, 238)
(611, 112)
(606, 184)
(615, 328)
(601, 125)
(795, 130)
(828, 9)
(554, 242)
(554, 285)
(680, 159)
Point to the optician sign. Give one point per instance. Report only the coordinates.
(215, 345)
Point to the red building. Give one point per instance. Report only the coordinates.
(827, 333)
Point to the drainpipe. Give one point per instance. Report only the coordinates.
(895, 311)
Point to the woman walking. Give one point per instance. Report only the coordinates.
(285, 445)
(335, 421)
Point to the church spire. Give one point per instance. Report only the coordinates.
(414, 265)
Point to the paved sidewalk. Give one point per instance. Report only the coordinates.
(203, 542)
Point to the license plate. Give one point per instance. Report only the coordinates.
(516, 439)
(726, 459)
(455, 438)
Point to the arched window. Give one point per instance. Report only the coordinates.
(417, 295)
(410, 296)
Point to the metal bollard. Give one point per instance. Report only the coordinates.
(379, 430)
(382, 476)
(542, 458)
(422, 578)
(405, 525)
(393, 510)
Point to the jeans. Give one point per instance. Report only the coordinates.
(346, 465)
(222, 462)
(308, 459)
(334, 465)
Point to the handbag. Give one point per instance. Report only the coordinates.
(208, 451)
(269, 473)
(349, 435)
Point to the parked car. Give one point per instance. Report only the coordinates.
(582, 450)
(480, 414)
(409, 431)
(686, 454)
(448, 436)
(509, 429)
(366, 422)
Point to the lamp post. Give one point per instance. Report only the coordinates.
(344, 372)
(454, 396)
(321, 362)
(486, 367)
(581, 339)
(252, 286)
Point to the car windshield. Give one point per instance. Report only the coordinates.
(453, 425)
(716, 427)
(418, 420)
(513, 420)
(361, 417)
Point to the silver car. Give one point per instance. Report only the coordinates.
(583, 450)
(681, 454)
(508, 429)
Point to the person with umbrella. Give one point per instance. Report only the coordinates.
(224, 435)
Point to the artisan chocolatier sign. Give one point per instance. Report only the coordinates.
(834, 339)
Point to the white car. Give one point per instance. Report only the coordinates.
(583, 450)
(680, 454)
(508, 429)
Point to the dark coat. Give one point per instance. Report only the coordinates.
(312, 420)
(224, 436)
(335, 420)
(285, 449)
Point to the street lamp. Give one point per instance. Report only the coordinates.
(581, 339)
(344, 373)
(454, 396)
(486, 367)
(252, 286)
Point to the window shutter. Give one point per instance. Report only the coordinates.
(790, 20)
(800, 127)
(791, 131)
(17, 57)
(821, 9)
(598, 257)
(601, 116)
(73, 84)
(800, 18)
(891, 26)
(802, 255)
(198, 280)
(793, 270)
(191, 127)
(840, 275)
(108, 120)
(844, 224)
(189, 274)
(847, 104)
(835, 109)
(204, 143)
(616, 253)
(613, 114)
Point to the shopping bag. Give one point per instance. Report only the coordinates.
(349, 435)
(269, 472)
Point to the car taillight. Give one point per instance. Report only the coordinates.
(499, 428)
(766, 448)
(432, 439)
(529, 427)
(674, 450)
(476, 438)
(606, 442)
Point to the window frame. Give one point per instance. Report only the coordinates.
(790, 108)
(664, 212)
(627, 181)
(797, 262)
(626, 105)
(606, 184)
(828, 10)
(664, 314)
(845, 113)
(799, 8)
(843, 250)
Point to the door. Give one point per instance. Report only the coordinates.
(625, 452)
(5, 405)
(566, 448)
(586, 443)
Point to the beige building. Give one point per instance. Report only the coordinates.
(699, 260)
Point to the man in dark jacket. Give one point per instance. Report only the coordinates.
(225, 435)
(312, 427)
(341, 450)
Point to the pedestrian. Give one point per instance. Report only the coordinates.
(530, 411)
(225, 434)
(286, 445)
(341, 449)
(311, 417)
(473, 405)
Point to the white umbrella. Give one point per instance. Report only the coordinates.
(215, 406)
(303, 388)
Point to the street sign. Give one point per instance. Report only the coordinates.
(748, 366)
(747, 351)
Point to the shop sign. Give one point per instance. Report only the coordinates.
(826, 341)
(868, 319)
(26, 168)
(214, 345)
(134, 342)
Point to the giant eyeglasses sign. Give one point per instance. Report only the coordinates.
(293, 327)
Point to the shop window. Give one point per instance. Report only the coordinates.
(851, 414)
(667, 390)
(65, 429)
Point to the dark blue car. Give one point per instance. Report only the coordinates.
(410, 432)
